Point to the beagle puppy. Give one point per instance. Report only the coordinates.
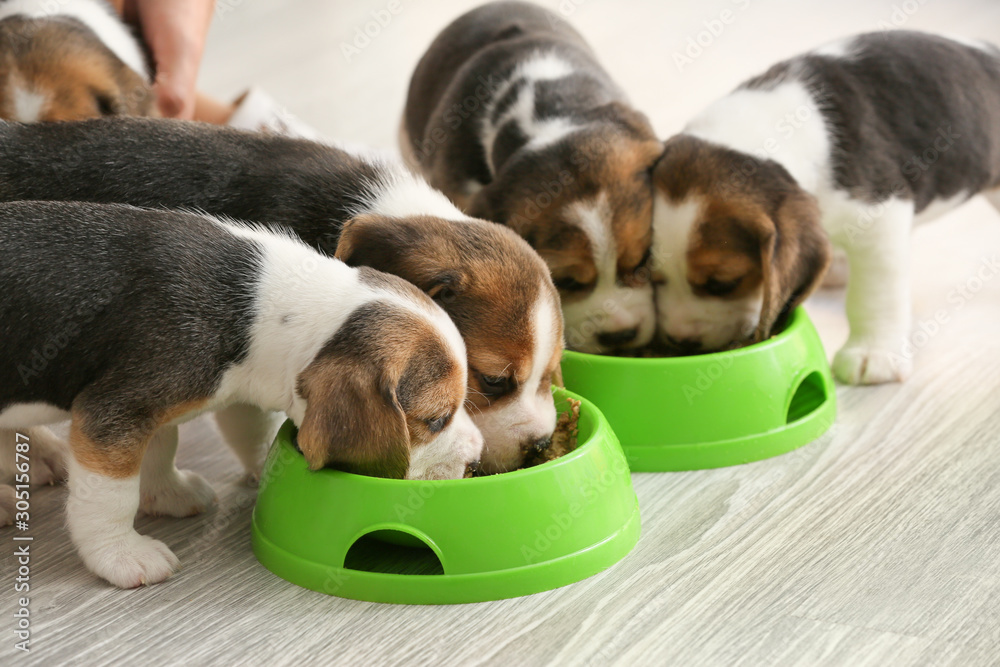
(69, 60)
(64, 60)
(365, 211)
(510, 114)
(128, 321)
(852, 143)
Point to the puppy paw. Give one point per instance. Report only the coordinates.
(7, 499)
(870, 364)
(130, 561)
(183, 493)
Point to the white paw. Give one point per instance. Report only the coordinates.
(7, 499)
(183, 493)
(870, 364)
(130, 561)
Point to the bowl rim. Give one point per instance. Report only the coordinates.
(601, 425)
(796, 322)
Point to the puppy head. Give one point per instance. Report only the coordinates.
(385, 396)
(584, 203)
(56, 69)
(737, 246)
(499, 294)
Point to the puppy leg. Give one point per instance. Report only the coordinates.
(163, 489)
(103, 499)
(248, 431)
(878, 298)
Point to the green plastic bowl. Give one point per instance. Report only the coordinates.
(713, 410)
(448, 541)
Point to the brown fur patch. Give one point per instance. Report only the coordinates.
(757, 227)
(118, 459)
(122, 457)
(66, 64)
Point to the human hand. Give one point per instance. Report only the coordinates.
(175, 32)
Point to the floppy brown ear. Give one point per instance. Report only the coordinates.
(795, 253)
(413, 249)
(352, 422)
(373, 240)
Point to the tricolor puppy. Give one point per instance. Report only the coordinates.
(63, 60)
(155, 317)
(368, 212)
(852, 143)
(510, 115)
(69, 60)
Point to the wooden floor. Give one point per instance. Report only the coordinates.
(877, 545)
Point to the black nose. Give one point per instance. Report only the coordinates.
(541, 444)
(472, 469)
(617, 338)
(684, 344)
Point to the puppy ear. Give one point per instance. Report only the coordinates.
(352, 421)
(411, 249)
(795, 253)
(372, 240)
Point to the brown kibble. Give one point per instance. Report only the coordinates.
(564, 439)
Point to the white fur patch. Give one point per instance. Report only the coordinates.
(540, 133)
(28, 105)
(95, 15)
(99, 514)
(610, 307)
(939, 207)
(544, 67)
(401, 194)
(840, 48)
(782, 124)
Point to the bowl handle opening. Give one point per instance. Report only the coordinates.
(391, 551)
(810, 394)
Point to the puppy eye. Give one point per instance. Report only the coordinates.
(568, 284)
(496, 385)
(715, 287)
(105, 105)
(437, 424)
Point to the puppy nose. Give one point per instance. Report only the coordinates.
(541, 444)
(684, 344)
(472, 469)
(617, 338)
